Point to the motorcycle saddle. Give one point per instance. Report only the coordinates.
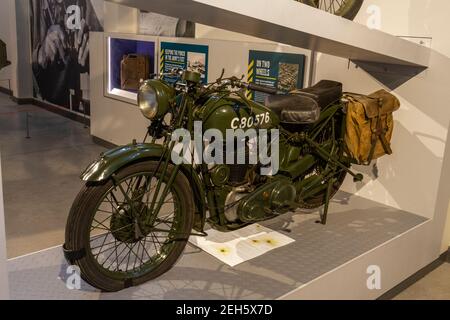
(303, 106)
(325, 92)
(294, 109)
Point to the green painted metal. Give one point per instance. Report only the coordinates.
(225, 112)
(116, 159)
(300, 167)
(191, 76)
(311, 163)
(276, 196)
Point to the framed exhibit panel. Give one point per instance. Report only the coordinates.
(282, 71)
(193, 57)
(129, 60)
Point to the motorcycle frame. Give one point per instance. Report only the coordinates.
(203, 190)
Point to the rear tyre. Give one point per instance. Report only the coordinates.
(108, 224)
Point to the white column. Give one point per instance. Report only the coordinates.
(4, 286)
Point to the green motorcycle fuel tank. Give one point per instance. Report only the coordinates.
(232, 112)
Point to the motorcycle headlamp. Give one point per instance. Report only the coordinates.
(154, 99)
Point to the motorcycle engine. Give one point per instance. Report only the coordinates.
(232, 203)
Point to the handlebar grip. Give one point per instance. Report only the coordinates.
(264, 89)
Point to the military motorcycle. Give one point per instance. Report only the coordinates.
(345, 8)
(134, 216)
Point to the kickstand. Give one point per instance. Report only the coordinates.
(324, 214)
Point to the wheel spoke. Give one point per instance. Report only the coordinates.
(126, 244)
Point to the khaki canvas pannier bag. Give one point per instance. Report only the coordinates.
(369, 125)
(133, 69)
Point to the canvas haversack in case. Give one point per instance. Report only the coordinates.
(370, 125)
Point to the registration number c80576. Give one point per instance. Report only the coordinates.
(249, 122)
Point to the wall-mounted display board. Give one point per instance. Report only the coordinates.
(128, 62)
(185, 56)
(282, 71)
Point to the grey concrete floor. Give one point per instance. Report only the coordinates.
(41, 174)
(434, 286)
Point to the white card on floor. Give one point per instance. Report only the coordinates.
(238, 246)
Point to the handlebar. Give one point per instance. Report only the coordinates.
(259, 88)
(220, 83)
(235, 82)
(172, 73)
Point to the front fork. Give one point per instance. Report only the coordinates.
(163, 163)
(162, 192)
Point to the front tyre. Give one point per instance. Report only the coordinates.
(108, 227)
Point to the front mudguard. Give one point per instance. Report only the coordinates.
(118, 158)
(115, 159)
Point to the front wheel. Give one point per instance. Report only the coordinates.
(122, 243)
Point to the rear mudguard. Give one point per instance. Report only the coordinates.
(116, 159)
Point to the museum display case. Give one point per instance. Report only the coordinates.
(129, 62)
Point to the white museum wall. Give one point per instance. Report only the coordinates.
(4, 287)
(421, 124)
(417, 177)
(120, 122)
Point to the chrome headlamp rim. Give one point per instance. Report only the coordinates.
(148, 101)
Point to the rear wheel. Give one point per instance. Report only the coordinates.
(109, 223)
(345, 8)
